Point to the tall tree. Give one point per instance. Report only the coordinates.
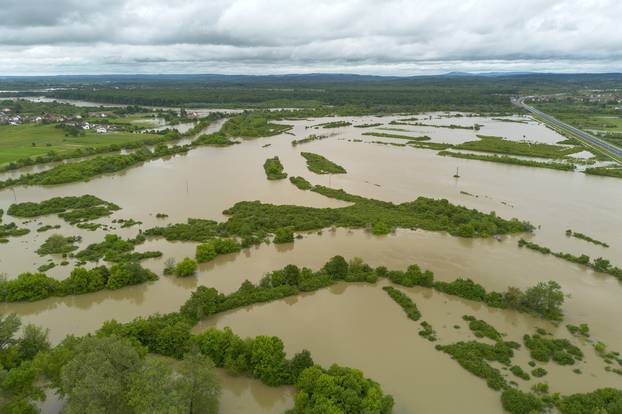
(197, 386)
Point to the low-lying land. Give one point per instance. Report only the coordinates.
(320, 165)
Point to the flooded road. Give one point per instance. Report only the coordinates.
(358, 325)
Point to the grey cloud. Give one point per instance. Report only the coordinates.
(141, 35)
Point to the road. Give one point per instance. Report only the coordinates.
(606, 147)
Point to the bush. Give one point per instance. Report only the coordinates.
(518, 402)
(185, 268)
(284, 235)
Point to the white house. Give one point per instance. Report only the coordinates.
(86, 126)
(101, 130)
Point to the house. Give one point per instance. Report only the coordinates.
(101, 130)
(86, 125)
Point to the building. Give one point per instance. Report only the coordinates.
(101, 130)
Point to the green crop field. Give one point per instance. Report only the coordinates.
(31, 140)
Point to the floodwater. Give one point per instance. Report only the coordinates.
(358, 325)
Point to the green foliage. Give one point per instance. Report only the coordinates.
(193, 230)
(11, 230)
(209, 250)
(71, 209)
(604, 171)
(283, 235)
(473, 357)
(380, 228)
(198, 386)
(310, 138)
(397, 136)
(125, 274)
(301, 183)
(274, 169)
(539, 372)
(58, 244)
(482, 329)
(603, 400)
(504, 159)
(114, 249)
(339, 390)
(320, 165)
(519, 372)
(518, 402)
(522, 148)
(252, 124)
(544, 349)
(585, 237)
(185, 268)
(216, 139)
(581, 330)
(92, 167)
(410, 308)
(335, 124)
(427, 332)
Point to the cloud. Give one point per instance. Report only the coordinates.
(275, 36)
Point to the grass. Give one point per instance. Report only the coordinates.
(397, 136)
(16, 141)
(606, 172)
(504, 159)
(320, 165)
(529, 149)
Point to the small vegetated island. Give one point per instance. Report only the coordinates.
(274, 169)
(318, 164)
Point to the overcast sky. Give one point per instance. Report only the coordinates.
(401, 37)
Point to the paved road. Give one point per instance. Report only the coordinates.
(592, 140)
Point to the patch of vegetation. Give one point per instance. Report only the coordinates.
(114, 249)
(125, 223)
(334, 124)
(539, 372)
(208, 251)
(517, 402)
(58, 244)
(544, 349)
(47, 227)
(504, 159)
(92, 167)
(185, 268)
(36, 286)
(397, 136)
(600, 264)
(523, 148)
(410, 308)
(474, 357)
(519, 372)
(604, 171)
(11, 230)
(475, 127)
(45, 267)
(603, 400)
(585, 237)
(283, 235)
(310, 138)
(482, 329)
(301, 183)
(581, 330)
(427, 332)
(274, 169)
(252, 125)
(367, 125)
(320, 165)
(216, 139)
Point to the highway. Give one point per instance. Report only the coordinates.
(606, 147)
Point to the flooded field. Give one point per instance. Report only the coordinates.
(356, 325)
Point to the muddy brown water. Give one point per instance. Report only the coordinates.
(358, 325)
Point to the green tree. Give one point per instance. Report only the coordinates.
(152, 389)
(546, 298)
(337, 267)
(198, 388)
(97, 378)
(267, 358)
(186, 267)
